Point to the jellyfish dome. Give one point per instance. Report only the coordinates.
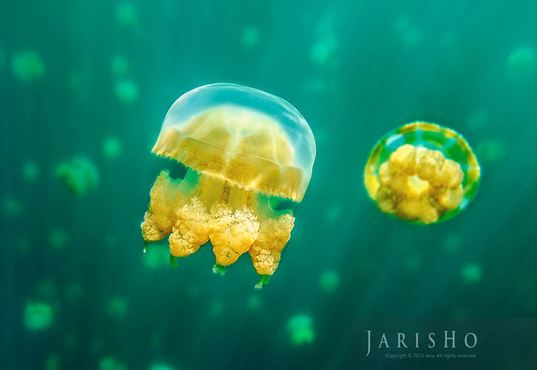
(248, 137)
(245, 151)
(422, 172)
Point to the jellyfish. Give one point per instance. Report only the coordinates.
(27, 66)
(248, 153)
(58, 238)
(422, 172)
(112, 147)
(12, 207)
(78, 175)
(301, 330)
(521, 63)
(126, 91)
(38, 316)
(110, 363)
(30, 170)
(250, 38)
(156, 257)
(52, 362)
(471, 273)
(119, 66)
(329, 280)
(117, 307)
(127, 15)
(160, 366)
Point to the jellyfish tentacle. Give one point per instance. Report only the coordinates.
(159, 218)
(232, 233)
(191, 229)
(274, 233)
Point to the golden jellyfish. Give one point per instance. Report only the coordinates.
(422, 172)
(246, 153)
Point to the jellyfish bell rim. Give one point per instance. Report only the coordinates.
(471, 170)
(223, 95)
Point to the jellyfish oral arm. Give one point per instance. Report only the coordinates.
(202, 208)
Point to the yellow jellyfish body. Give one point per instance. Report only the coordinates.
(245, 151)
(422, 172)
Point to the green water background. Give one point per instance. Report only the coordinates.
(355, 70)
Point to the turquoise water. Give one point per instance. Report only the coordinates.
(86, 85)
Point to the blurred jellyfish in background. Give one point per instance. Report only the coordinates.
(422, 173)
(52, 362)
(407, 32)
(127, 15)
(126, 91)
(156, 256)
(329, 281)
(471, 273)
(477, 120)
(452, 243)
(27, 66)
(413, 262)
(119, 66)
(250, 38)
(110, 363)
(491, 150)
(254, 303)
(58, 238)
(117, 307)
(12, 207)
(521, 63)
(79, 176)
(216, 308)
(160, 366)
(30, 170)
(300, 328)
(112, 148)
(324, 50)
(325, 46)
(246, 152)
(38, 316)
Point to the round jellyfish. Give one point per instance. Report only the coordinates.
(78, 175)
(110, 363)
(38, 316)
(329, 280)
(58, 238)
(471, 273)
(521, 63)
(246, 152)
(422, 172)
(117, 307)
(112, 147)
(126, 91)
(300, 327)
(160, 366)
(30, 170)
(156, 257)
(27, 66)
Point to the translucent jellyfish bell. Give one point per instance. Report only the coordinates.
(252, 139)
(422, 172)
(245, 150)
